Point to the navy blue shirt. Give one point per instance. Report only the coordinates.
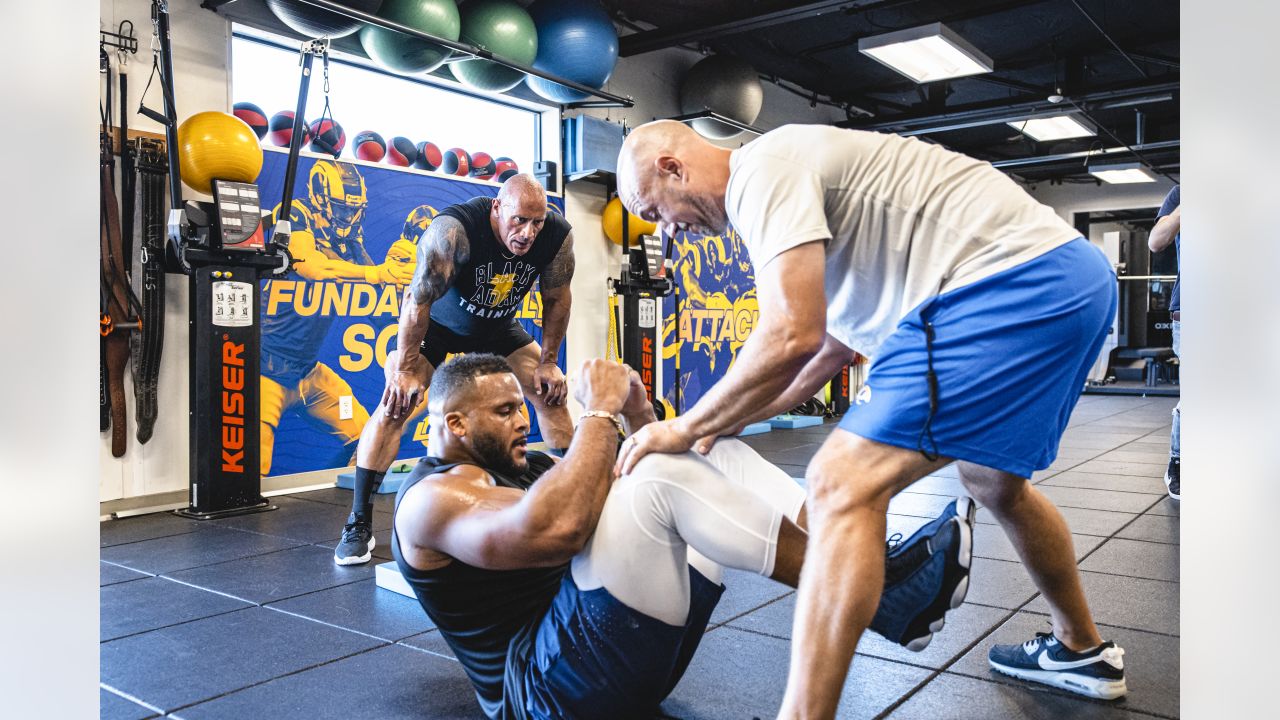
(1171, 202)
(489, 289)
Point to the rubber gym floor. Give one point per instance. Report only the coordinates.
(248, 617)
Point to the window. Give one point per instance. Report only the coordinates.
(265, 72)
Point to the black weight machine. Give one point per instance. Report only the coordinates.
(643, 280)
(221, 247)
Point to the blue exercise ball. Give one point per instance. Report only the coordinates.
(577, 41)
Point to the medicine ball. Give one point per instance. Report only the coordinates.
(401, 151)
(456, 162)
(370, 146)
(253, 116)
(429, 156)
(327, 137)
(483, 166)
(504, 169)
(281, 129)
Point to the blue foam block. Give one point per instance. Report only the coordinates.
(790, 422)
(391, 482)
(755, 429)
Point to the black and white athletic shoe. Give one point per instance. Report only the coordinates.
(926, 576)
(1096, 673)
(356, 546)
(1171, 479)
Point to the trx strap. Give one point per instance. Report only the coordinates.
(148, 342)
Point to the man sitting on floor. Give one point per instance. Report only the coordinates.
(566, 593)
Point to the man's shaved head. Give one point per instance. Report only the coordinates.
(519, 212)
(669, 174)
(522, 188)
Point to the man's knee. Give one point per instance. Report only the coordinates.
(992, 488)
(853, 473)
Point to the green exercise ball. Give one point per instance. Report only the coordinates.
(503, 28)
(402, 54)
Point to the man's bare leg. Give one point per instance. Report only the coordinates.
(553, 420)
(1043, 541)
(851, 480)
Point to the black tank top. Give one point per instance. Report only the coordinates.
(480, 612)
(488, 290)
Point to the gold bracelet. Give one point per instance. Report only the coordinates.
(601, 414)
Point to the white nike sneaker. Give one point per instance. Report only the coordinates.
(1096, 673)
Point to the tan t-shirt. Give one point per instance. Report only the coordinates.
(902, 220)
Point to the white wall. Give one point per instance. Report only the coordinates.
(200, 49)
(1069, 199)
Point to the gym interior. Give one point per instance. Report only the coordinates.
(220, 513)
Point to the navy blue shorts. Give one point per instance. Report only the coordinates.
(1011, 353)
(502, 339)
(594, 657)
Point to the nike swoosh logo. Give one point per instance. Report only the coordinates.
(1048, 663)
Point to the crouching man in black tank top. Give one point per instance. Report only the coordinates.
(476, 263)
(568, 594)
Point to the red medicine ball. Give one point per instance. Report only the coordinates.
(429, 156)
(505, 168)
(483, 166)
(327, 137)
(370, 146)
(456, 162)
(281, 129)
(253, 116)
(401, 151)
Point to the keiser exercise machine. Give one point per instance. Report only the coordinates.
(220, 246)
(644, 278)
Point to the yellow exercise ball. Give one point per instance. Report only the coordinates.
(217, 145)
(636, 226)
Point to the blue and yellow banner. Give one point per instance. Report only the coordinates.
(327, 326)
(717, 310)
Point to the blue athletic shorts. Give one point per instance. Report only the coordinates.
(594, 657)
(1011, 353)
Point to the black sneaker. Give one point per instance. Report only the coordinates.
(356, 546)
(1171, 479)
(1097, 673)
(926, 576)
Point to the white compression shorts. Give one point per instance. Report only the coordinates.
(719, 510)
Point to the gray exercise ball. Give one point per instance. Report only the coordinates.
(725, 85)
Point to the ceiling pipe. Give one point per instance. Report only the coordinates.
(991, 114)
(1083, 154)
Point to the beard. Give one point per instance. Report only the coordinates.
(494, 454)
(713, 216)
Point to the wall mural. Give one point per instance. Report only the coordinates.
(716, 286)
(328, 324)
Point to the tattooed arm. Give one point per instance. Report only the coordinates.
(440, 250)
(556, 301)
